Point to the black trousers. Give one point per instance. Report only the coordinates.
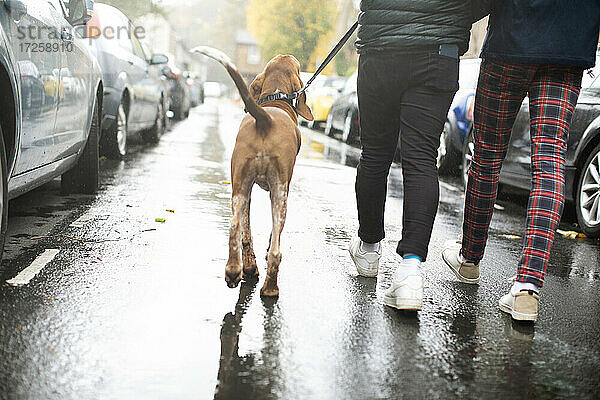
(404, 96)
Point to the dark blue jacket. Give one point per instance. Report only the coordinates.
(556, 32)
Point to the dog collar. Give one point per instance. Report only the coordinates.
(288, 98)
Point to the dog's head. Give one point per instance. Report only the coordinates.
(282, 74)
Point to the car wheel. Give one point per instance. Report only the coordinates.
(349, 132)
(114, 142)
(3, 193)
(83, 177)
(467, 157)
(588, 195)
(447, 162)
(153, 134)
(329, 131)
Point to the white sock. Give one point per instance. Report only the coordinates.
(407, 267)
(370, 247)
(518, 286)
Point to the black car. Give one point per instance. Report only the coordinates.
(343, 116)
(583, 155)
(179, 91)
(135, 92)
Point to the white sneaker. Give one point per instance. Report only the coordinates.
(367, 262)
(521, 305)
(465, 271)
(406, 294)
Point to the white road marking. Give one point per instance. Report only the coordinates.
(450, 187)
(81, 221)
(36, 266)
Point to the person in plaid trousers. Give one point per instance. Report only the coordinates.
(538, 49)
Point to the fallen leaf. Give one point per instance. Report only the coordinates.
(571, 234)
(161, 220)
(225, 183)
(510, 236)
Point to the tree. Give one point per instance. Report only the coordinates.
(136, 8)
(290, 27)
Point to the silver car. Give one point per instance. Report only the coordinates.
(50, 96)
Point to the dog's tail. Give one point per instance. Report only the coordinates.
(263, 120)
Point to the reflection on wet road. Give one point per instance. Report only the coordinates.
(141, 309)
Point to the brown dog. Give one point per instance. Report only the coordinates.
(265, 153)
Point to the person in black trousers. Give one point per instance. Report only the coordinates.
(407, 77)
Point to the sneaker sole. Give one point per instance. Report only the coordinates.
(403, 304)
(515, 314)
(461, 278)
(366, 274)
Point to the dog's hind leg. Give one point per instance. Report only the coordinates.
(279, 195)
(240, 201)
(248, 257)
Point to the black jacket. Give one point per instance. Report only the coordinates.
(410, 25)
(556, 32)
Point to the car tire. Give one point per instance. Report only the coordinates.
(83, 177)
(587, 197)
(447, 159)
(3, 193)
(349, 134)
(154, 134)
(329, 130)
(113, 143)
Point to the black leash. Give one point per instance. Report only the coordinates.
(291, 98)
(333, 53)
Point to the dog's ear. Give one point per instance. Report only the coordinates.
(256, 86)
(303, 109)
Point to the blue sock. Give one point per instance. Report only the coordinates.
(414, 256)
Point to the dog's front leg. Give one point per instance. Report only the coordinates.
(233, 270)
(278, 209)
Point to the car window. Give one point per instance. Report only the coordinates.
(115, 28)
(351, 84)
(137, 46)
(468, 74)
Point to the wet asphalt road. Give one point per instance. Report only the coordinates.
(141, 310)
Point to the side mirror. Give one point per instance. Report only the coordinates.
(17, 8)
(158, 59)
(80, 11)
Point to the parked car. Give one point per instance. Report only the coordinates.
(214, 89)
(135, 91)
(343, 116)
(582, 160)
(316, 83)
(179, 91)
(460, 118)
(321, 98)
(51, 96)
(196, 88)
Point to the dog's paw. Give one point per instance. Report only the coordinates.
(251, 274)
(233, 278)
(269, 292)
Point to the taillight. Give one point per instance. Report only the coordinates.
(470, 111)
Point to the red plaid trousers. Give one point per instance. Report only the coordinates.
(553, 92)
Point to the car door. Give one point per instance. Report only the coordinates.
(36, 47)
(148, 87)
(75, 79)
(116, 30)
